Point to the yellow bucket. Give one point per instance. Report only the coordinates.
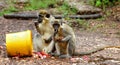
(19, 44)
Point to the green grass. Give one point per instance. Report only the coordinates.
(43, 4)
(66, 9)
(103, 3)
(83, 24)
(40, 4)
(9, 9)
(91, 25)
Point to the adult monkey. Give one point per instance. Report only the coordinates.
(65, 41)
(43, 40)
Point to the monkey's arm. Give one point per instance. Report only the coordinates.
(50, 38)
(50, 47)
(67, 38)
(37, 26)
(67, 35)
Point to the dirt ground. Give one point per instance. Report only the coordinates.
(86, 41)
(100, 33)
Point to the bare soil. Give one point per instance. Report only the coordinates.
(86, 41)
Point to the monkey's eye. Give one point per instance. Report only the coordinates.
(40, 15)
(48, 15)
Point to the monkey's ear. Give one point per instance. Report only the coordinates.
(47, 15)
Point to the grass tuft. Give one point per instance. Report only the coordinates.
(61, 6)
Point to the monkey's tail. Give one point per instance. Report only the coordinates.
(94, 50)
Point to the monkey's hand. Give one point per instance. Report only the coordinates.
(67, 38)
(47, 41)
(36, 23)
(59, 39)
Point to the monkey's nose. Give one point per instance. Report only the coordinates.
(55, 30)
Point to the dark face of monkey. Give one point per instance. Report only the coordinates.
(41, 16)
(56, 26)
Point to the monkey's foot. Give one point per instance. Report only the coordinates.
(64, 56)
(54, 54)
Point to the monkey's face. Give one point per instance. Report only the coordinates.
(56, 25)
(41, 16)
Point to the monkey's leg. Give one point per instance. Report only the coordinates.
(49, 39)
(57, 47)
(64, 56)
(67, 55)
(66, 39)
(37, 43)
(71, 47)
(50, 47)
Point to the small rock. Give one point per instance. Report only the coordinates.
(74, 60)
(86, 58)
(1, 47)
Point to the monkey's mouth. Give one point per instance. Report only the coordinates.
(39, 21)
(56, 30)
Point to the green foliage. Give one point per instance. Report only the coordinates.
(103, 3)
(61, 6)
(83, 24)
(66, 9)
(37, 4)
(9, 9)
(98, 3)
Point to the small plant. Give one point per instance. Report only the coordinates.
(97, 26)
(37, 4)
(113, 25)
(83, 24)
(61, 6)
(103, 3)
(66, 9)
(9, 9)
